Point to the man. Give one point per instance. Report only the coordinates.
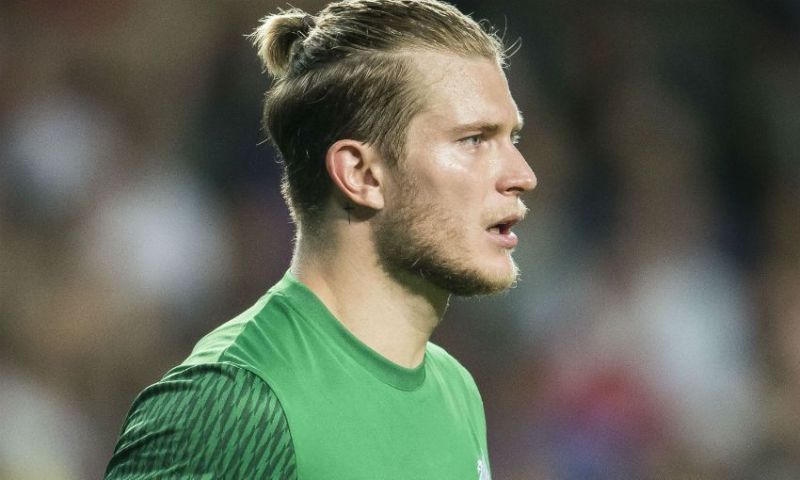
(397, 131)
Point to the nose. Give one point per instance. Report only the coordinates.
(517, 177)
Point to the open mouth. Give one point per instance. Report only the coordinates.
(500, 228)
(500, 233)
(503, 227)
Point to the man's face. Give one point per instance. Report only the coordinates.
(452, 200)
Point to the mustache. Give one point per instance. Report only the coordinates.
(519, 211)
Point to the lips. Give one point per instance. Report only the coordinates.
(503, 227)
(501, 232)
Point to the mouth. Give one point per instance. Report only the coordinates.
(501, 231)
(503, 227)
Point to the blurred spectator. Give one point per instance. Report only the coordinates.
(44, 435)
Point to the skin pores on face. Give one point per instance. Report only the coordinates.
(451, 201)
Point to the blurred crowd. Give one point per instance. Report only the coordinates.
(654, 333)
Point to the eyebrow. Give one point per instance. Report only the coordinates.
(489, 128)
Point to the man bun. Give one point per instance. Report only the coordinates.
(276, 36)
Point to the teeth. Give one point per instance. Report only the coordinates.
(495, 229)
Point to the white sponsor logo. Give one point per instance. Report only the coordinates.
(483, 471)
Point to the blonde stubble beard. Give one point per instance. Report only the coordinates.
(420, 240)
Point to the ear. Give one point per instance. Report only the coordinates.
(355, 169)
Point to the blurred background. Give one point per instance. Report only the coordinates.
(655, 332)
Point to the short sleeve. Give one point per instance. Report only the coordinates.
(208, 421)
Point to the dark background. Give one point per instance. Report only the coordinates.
(655, 332)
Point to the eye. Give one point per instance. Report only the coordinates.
(473, 140)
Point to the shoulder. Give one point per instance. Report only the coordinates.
(458, 382)
(444, 363)
(441, 359)
(211, 419)
(214, 345)
(249, 339)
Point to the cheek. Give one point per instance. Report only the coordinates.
(455, 180)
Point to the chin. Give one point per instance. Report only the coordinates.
(486, 279)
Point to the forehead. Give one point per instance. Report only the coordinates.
(460, 90)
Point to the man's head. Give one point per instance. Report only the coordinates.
(396, 78)
(451, 204)
(346, 74)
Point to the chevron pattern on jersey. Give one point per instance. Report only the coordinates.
(208, 421)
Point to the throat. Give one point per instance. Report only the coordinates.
(394, 318)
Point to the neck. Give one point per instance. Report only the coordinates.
(394, 315)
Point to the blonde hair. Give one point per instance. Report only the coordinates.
(346, 73)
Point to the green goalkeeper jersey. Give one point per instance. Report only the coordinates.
(285, 391)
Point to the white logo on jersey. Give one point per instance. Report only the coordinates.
(483, 472)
